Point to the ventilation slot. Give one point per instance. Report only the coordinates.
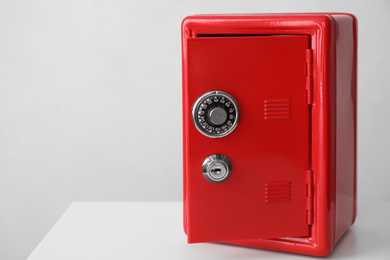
(277, 109)
(278, 191)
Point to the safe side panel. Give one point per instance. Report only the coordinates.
(345, 124)
(269, 149)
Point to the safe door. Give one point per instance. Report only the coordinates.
(246, 137)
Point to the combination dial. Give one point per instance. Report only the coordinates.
(215, 114)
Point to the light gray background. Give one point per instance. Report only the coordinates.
(90, 103)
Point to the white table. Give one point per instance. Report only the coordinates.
(153, 230)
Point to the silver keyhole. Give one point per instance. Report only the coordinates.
(216, 168)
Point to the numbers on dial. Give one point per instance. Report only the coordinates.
(207, 105)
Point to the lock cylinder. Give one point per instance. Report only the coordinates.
(217, 168)
(215, 114)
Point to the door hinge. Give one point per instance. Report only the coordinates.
(309, 76)
(309, 197)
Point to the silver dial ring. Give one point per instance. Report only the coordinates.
(215, 114)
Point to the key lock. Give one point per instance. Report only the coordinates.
(215, 114)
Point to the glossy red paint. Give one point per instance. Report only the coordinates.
(262, 60)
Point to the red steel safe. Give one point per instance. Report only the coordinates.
(269, 128)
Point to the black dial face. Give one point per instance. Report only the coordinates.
(215, 114)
